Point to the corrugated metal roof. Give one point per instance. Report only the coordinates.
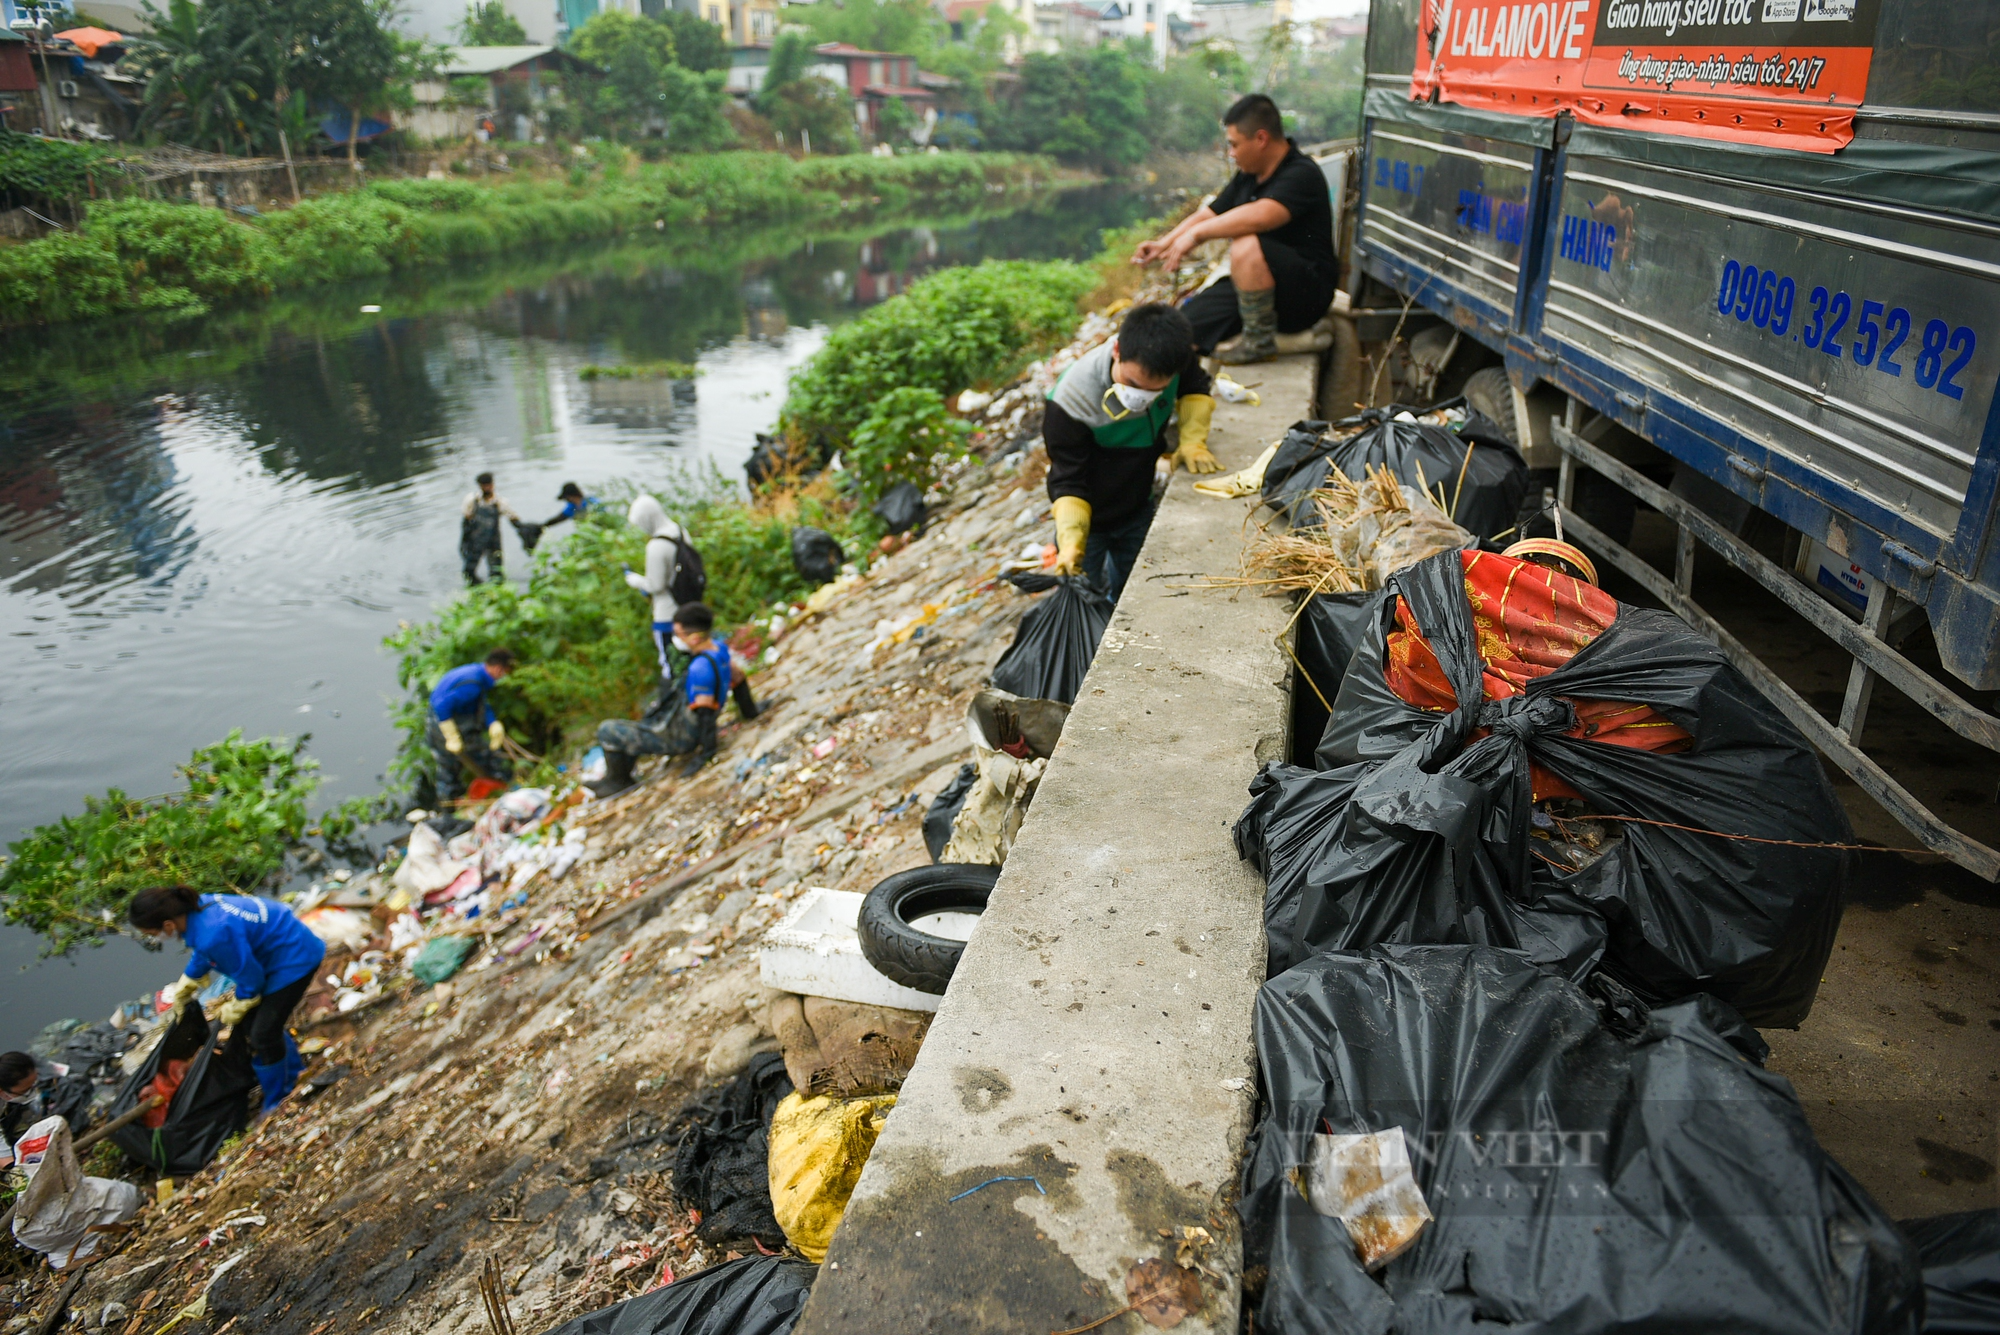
(489, 59)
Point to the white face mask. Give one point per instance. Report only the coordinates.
(1130, 399)
(17, 1098)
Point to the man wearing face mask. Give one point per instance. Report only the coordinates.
(1105, 426)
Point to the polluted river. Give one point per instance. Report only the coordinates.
(211, 525)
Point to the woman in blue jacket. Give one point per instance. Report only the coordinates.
(260, 946)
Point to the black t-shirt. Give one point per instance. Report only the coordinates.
(1117, 483)
(1300, 186)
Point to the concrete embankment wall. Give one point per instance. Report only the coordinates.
(1095, 1047)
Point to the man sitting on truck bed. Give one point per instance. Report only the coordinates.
(1279, 222)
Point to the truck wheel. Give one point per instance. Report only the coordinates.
(906, 954)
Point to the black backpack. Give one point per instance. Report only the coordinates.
(690, 580)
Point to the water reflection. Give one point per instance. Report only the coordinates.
(211, 525)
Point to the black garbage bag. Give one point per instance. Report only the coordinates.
(1327, 633)
(901, 508)
(757, 1295)
(1430, 835)
(944, 809)
(816, 555)
(211, 1105)
(1419, 454)
(528, 532)
(1057, 638)
(1960, 1254)
(722, 1154)
(1579, 1181)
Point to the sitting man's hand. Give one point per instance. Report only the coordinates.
(1147, 252)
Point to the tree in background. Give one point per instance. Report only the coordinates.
(491, 25)
(1084, 107)
(698, 44)
(234, 73)
(906, 27)
(894, 121)
(794, 100)
(1185, 101)
(1319, 89)
(646, 87)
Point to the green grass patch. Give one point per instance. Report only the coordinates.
(665, 370)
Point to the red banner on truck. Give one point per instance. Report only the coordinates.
(1780, 73)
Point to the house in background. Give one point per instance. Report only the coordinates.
(871, 78)
(519, 80)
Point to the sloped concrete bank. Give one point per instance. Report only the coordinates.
(1094, 1053)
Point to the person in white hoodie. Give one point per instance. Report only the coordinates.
(663, 539)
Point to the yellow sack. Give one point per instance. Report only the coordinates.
(818, 1146)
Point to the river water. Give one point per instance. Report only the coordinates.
(212, 524)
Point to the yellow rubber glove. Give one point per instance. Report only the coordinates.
(496, 733)
(452, 741)
(231, 1013)
(181, 993)
(1072, 532)
(1193, 454)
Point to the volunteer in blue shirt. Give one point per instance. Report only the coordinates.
(574, 503)
(462, 730)
(681, 725)
(261, 947)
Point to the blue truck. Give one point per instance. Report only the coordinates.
(1710, 327)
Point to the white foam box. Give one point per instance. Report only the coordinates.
(816, 951)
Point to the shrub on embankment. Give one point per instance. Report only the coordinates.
(145, 256)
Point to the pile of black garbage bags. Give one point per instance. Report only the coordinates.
(1551, 1000)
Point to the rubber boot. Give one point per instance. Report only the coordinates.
(295, 1062)
(1259, 339)
(276, 1080)
(704, 741)
(617, 774)
(746, 703)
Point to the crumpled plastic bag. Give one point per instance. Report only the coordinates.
(1960, 1254)
(426, 866)
(1012, 738)
(816, 555)
(59, 1208)
(1057, 638)
(440, 958)
(818, 1148)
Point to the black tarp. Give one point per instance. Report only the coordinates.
(722, 1153)
(757, 1295)
(1057, 638)
(1419, 454)
(211, 1105)
(1960, 1254)
(1426, 836)
(1580, 1181)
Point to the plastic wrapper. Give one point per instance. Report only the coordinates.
(1429, 834)
(210, 1104)
(757, 1295)
(1960, 1254)
(1421, 455)
(1057, 638)
(1582, 1179)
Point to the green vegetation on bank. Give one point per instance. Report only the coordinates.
(581, 634)
(244, 806)
(134, 255)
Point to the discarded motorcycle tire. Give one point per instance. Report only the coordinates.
(906, 954)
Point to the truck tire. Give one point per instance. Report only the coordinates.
(904, 954)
